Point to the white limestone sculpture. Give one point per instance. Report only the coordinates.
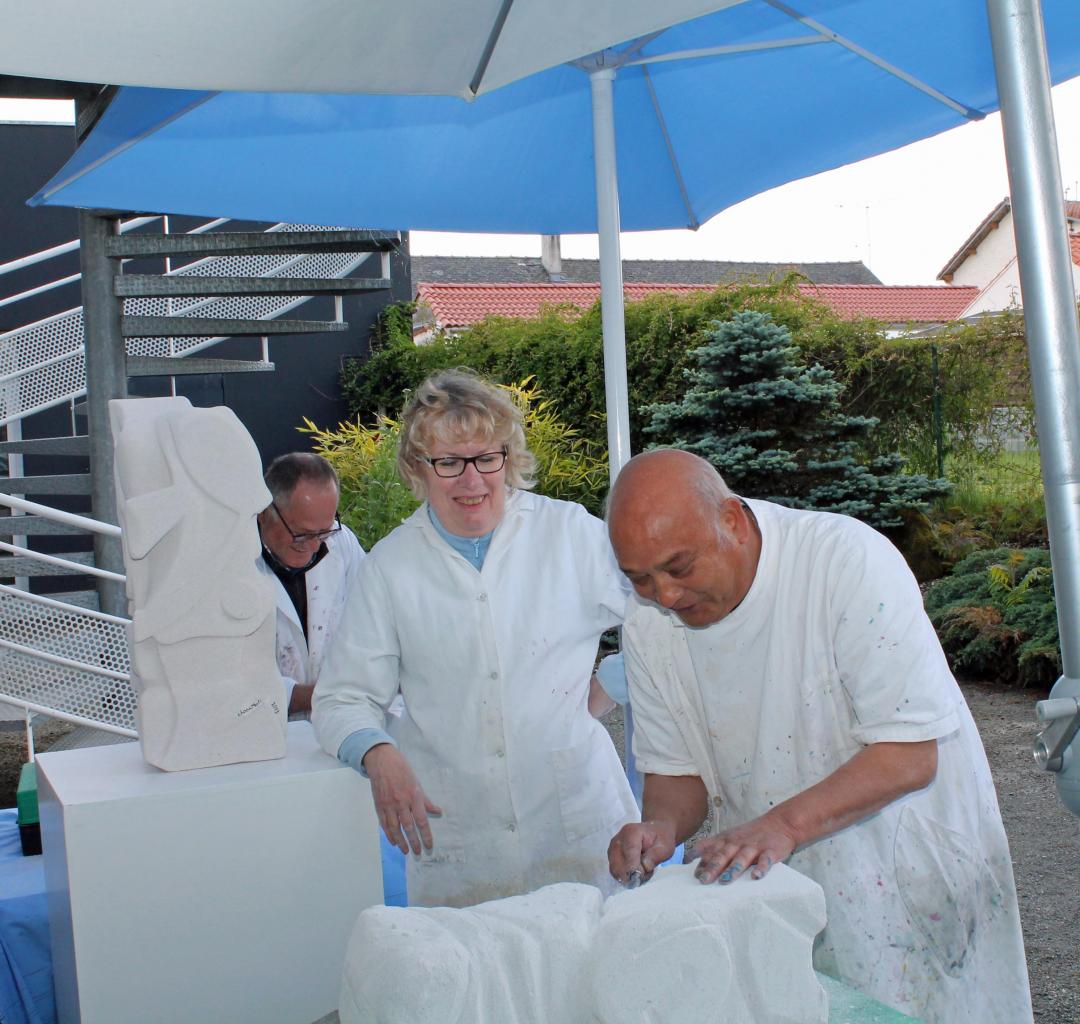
(671, 951)
(676, 950)
(188, 487)
(519, 960)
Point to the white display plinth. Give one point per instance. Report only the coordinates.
(216, 895)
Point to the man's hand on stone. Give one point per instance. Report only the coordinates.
(400, 802)
(640, 847)
(755, 847)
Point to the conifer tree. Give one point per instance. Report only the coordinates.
(774, 428)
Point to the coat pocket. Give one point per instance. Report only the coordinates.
(944, 883)
(447, 834)
(590, 797)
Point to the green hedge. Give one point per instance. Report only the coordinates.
(892, 380)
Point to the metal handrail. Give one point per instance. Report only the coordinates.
(33, 702)
(57, 516)
(62, 563)
(66, 247)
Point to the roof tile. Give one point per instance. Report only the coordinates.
(460, 305)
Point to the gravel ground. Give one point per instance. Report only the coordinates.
(1044, 837)
(1045, 842)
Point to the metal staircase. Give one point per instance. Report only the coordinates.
(60, 655)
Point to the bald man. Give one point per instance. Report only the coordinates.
(783, 674)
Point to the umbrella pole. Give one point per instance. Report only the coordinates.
(611, 281)
(1050, 318)
(612, 313)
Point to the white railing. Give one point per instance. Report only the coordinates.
(59, 659)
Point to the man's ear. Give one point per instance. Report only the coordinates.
(736, 521)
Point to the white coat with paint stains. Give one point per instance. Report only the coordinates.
(494, 669)
(328, 584)
(829, 651)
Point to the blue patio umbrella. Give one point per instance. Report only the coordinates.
(700, 116)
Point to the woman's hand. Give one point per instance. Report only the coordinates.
(400, 802)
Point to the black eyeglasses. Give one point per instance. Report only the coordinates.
(454, 465)
(301, 538)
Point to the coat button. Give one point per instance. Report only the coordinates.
(481, 597)
(500, 753)
(494, 675)
(511, 827)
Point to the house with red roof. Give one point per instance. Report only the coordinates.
(453, 307)
(987, 260)
(455, 292)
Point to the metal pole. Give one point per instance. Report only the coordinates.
(1050, 318)
(601, 81)
(106, 378)
(939, 429)
(611, 281)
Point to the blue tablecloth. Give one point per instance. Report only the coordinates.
(26, 992)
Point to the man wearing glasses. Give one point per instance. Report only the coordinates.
(314, 559)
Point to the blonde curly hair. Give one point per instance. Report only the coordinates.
(460, 407)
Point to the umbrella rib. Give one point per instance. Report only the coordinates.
(694, 222)
(489, 47)
(722, 51)
(969, 112)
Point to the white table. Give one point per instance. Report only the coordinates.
(216, 895)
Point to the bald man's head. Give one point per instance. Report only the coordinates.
(683, 539)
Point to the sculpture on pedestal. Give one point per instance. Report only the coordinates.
(188, 486)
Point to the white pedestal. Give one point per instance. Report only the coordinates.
(216, 895)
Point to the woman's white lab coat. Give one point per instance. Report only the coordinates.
(328, 584)
(494, 668)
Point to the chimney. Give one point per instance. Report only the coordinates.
(551, 256)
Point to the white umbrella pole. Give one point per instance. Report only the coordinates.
(611, 281)
(611, 308)
(1046, 283)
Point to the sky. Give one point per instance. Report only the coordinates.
(903, 213)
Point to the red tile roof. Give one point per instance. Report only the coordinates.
(460, 305)
(895, 304)
(1074, 246)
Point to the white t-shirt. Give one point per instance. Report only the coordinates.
(829, 651)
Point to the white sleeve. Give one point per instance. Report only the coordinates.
(659, 748)
(598, 569)
(360, 676)
(887, 653)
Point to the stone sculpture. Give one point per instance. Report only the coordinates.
(669, 952)
(189, 485)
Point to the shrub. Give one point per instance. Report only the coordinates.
(996, 617)
(374, 498)
(969, 368)
(563, 347)
(773, 427)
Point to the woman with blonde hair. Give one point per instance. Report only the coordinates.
(483, 610)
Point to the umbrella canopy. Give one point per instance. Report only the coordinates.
(756, 97)
(418, 47)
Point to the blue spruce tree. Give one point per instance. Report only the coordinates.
(774, 428)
